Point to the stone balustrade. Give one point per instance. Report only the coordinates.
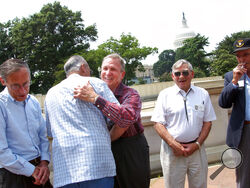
(215, 143)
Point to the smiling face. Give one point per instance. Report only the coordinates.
(183, 81)
(18, 84)
(112, 72)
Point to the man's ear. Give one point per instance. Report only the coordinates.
(192, 73)
(82, 69)
(2, 81)
(123, 74)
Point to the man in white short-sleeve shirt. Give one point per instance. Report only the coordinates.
(183, 118)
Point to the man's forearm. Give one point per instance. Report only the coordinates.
(204, 132)
(116, 132)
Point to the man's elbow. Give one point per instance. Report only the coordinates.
(223, 103)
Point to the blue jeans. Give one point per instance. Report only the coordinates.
(107, 182)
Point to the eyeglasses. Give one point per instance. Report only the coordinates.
(184, 73)
(17, 86)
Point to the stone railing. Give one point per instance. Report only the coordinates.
(215, 143)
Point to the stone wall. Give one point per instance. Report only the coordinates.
(215, 143)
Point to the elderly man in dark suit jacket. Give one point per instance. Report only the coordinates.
(236, 93)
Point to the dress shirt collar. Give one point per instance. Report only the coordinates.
(119, 89)
(177, 90)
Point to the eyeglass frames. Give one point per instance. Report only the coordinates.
(17, 86)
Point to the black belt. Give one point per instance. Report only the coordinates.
(36, 161)
(193, 141)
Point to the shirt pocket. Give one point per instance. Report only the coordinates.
(198, 111)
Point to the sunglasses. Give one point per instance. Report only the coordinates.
(184, 73)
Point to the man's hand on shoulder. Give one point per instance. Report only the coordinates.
(85, 93)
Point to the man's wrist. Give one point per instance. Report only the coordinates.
(235, 82)
(96, 97)
(198, 144)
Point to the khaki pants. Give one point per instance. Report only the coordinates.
(175, 168)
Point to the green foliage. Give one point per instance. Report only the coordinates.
(193, 51)
(94, 59)
(6, 48)
(141, 81)
(167, 76)
(165, 62)
(223, 59)
(128, 47)
(198, 73)
(227, 42)
(223, 62)
(46, 39)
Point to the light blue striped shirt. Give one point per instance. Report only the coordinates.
(81, 147)
(23, 134)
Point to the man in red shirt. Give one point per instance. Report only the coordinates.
(129, 145)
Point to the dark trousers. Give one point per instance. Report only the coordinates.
(11, 180)
(242, 173)
(132, 162)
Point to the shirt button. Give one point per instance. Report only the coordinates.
(98, 105)
(108, 114)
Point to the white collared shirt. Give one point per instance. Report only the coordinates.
(170, 111)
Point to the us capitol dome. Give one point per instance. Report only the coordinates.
(184, 33)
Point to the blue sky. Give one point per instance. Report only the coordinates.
(153, 22)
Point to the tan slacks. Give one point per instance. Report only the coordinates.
(175, 168)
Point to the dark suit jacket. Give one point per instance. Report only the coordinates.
(234, 96)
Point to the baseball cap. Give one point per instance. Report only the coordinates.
(241, 44)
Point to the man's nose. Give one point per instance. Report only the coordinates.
(108, 72)
(22, 90)
(241, 59)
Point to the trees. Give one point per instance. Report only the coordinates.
(46, 39)
(165, 62)
(128, 47)
(6, 48)
(193, 51)
(162, 68)
(223, 59)
(223, 62)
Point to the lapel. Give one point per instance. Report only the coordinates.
(242, 93)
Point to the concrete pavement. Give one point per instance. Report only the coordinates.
(226, 179)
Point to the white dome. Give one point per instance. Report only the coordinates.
(184, 33)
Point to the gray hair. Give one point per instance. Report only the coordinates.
(74, 63)
(179, 63)
(12, 65)
(116, 56)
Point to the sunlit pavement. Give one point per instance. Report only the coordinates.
(226, 179)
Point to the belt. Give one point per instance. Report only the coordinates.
(36, 161)
(193, 141)
(246, 122)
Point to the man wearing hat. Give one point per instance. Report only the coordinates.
(236, 94)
